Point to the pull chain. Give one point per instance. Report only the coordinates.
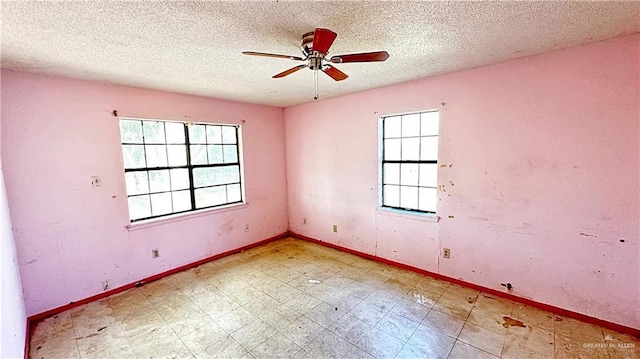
(315, 82)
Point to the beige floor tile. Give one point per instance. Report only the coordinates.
(482, 338)
(235, 319)
(397, 325)
(369, 312)
(277, 346)
(260, 303)
(325, 314)
(383, 298)
(577, 330)
(411, 310)
(301, 331)
(528, 343)
(567, 347)
(203, 337)
(253, 334)
(351, 329)
(380, 344)
(425, 298)
(61, 344)
(463, 350)
(110, 342)
(357, 353)
(435, 286)
(488, 320)
(279, 315)
(427, 343)
(328, 345)
(622, 345)
(226, 348)
(441, 322)
(50, 326)
(454, 304)
(533, 317)
(302, 303)
(492, 304)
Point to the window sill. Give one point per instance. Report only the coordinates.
(426, 217)
(183, 216)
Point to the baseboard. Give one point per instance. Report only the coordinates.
(40, 316)
(27, 339)
(547, 307)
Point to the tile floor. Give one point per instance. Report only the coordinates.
(295, 299)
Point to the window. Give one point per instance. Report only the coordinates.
(409, 165)
(175, 167)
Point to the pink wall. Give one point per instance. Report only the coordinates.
(57, 133)
(13, 317)
(544, 155)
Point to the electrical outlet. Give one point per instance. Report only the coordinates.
(246, 228)
(446, 253)
(335, 228)
(105, 285)
(155, 253)
(96, 181)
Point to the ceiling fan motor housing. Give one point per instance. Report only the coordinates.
(307, 43)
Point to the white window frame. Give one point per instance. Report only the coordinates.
(381, 160)
(190, 167)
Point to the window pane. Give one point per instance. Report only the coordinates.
(181, 201)
(411, 125)
(212, 196)
(198, 154)
(230, 154)
(392, 150)
(179, 178)
(429, 174)
(137, 183)
(139, 207)
(131, 131)
(175, 132)
(429, 123)
(392, 127)
(411, 149)
(133, 156)
(153, 132)
(214, 134)
(429, 148)
(156, 155)
(428, 199)
(228, 134)
(197, 134)
(409, 174)
(233, 193)
(215, 154)
(177, 155)
(391, 196)
(409, 197)
(391, 174)
(160, 203)
(159, 181)
(211, 176)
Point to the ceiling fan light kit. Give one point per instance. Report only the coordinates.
(315, 48)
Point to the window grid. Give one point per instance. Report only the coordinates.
(401, 161)
(149, 193)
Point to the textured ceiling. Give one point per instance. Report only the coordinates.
(195, 47)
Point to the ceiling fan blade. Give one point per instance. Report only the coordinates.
(290, 71)
(253, 53)
(361, 57)
(334, 73)
(322, 40)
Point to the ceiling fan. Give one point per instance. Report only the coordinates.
(315, 48)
